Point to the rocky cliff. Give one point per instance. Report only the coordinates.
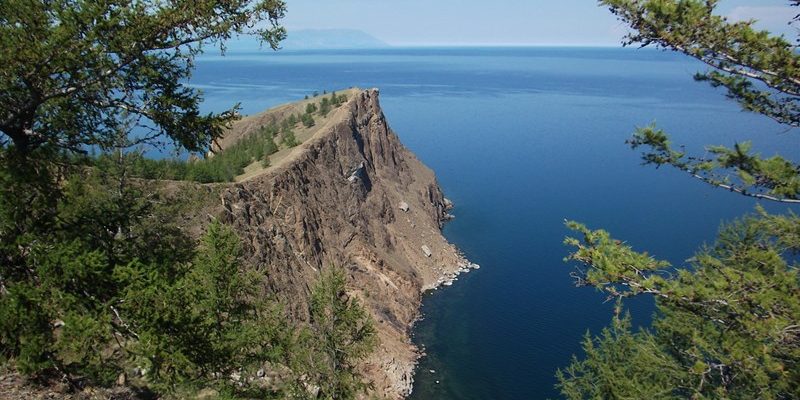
(350, 195)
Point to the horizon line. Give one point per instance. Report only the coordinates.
(491, 44)
(444, 46)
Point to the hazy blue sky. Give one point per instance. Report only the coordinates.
(462, 22)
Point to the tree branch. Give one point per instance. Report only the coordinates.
(742, 191)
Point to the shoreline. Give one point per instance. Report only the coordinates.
(445, 279)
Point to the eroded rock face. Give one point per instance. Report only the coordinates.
(334, 202)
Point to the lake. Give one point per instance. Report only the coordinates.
(521, 139)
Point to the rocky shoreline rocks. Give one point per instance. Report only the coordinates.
(448, 278)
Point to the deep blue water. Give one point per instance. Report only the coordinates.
(520, 139)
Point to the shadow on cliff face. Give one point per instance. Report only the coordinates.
(360, 175)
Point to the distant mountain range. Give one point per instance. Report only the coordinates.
(311, 39)
(331, 39)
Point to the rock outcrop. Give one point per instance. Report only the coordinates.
(334, 201)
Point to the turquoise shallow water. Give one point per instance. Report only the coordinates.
(520, 139)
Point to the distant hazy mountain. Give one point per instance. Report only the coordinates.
(311, 39)
(330, 39)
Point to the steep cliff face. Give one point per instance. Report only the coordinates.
(351, 195)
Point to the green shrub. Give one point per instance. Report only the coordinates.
(289, 139)
(324, 106)
(308, 120)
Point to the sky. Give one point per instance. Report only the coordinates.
(498, 22)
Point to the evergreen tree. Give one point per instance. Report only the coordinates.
(209, 324)
(336, 101)
(727, 325)
(75, 72)
(324, 106)
(64, 311)
(308, 120)
(269, 146)
(289, 140)
(343, 334)
(758, 70)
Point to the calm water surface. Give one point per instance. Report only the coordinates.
(521, 139)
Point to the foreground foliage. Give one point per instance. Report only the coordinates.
(760, 71)
(113, 285)
(344, 335)
(75, 72)
(727, 324)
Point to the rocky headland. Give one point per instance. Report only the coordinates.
(349, 195)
